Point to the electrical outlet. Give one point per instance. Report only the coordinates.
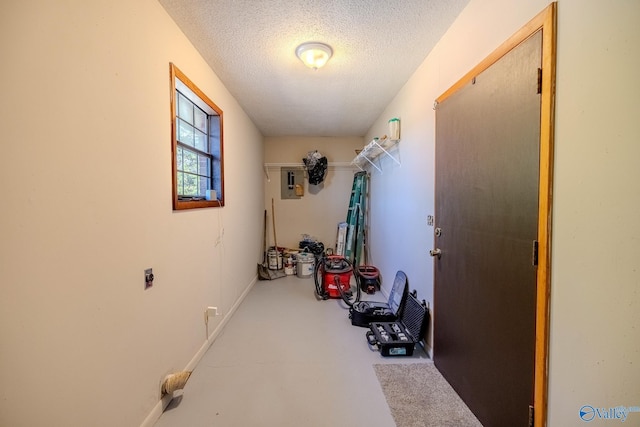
(212, 311)
(148, 278)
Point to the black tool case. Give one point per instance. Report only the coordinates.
(399, 338)
(362, 313)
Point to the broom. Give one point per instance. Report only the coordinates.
(265, 273)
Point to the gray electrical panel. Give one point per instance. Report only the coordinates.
(291, 183)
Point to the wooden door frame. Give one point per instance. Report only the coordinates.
(545, 21)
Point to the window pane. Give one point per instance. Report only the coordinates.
(203, 166)
(179, 159)
(190, 185)
(200, 119)
(185, 108)
(201, 141)
(189, 161)
(185, 133)
(179, 183)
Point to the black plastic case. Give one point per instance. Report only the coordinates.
(362, 313)
(399, 338)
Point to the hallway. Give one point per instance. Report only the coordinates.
(286, 359)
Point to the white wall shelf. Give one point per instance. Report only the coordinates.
(373, 150)
(330, 165)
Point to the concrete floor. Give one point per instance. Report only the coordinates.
(286, 359)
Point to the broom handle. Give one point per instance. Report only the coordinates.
(273, 218)
(264, 240)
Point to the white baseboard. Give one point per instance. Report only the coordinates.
(162, 404)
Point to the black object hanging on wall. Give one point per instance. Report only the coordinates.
(316, 166)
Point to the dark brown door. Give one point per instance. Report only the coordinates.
(487, 171)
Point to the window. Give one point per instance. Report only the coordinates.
(196, 146)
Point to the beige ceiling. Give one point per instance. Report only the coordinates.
(250, 44)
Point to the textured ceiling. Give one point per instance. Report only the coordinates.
(377, 45)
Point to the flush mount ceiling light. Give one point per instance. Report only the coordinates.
(314, 55)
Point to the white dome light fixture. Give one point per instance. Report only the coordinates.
(314, 55)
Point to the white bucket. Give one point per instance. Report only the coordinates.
(305, 265)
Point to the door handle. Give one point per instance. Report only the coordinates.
(435, 252)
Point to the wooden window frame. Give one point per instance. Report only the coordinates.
(178, 203)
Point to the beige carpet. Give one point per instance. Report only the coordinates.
(419, 396)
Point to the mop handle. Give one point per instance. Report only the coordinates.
(273, 219)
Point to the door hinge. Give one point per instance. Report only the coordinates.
(534, 255)
(539, 80)
(531, 416)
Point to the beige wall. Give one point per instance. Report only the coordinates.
(595, 303)
(323, 206)
(86, 184)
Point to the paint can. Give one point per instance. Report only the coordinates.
(274, 259)
(305, 265)
(289, 265)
